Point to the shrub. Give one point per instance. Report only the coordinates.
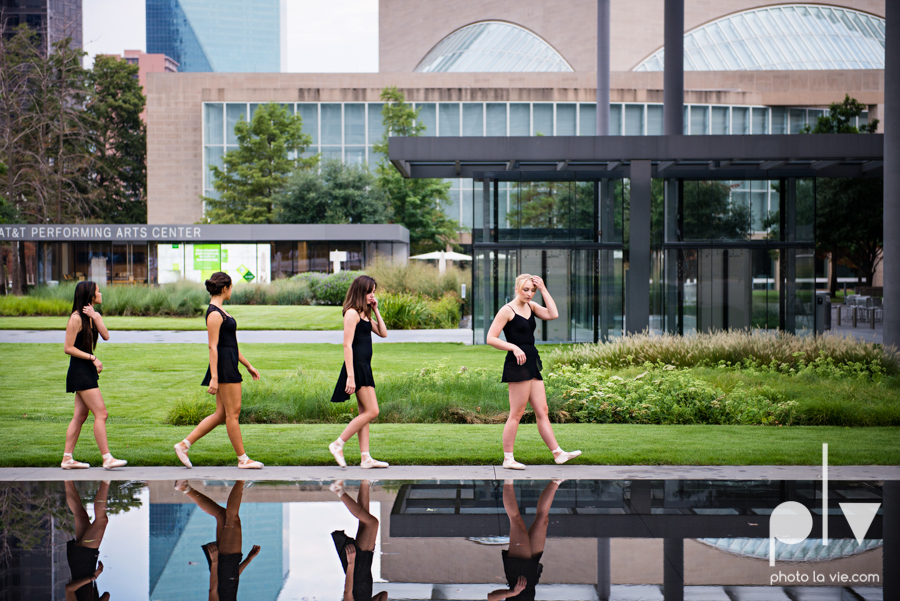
(12, 306)
(419, 278)
(408, 311)
(279, 292)
(328, 288)
(665, 396)
(735, 349)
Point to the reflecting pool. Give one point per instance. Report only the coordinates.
(520, 540)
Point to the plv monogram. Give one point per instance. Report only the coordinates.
(791, 522)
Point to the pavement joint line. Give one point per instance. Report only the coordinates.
(426, 472)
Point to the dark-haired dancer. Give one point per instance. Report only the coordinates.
(224, 556)
(82, 331)
(222, 376)
(357, 553)
(83, 551)
(522, 561)
(522, 368)
(356, 373)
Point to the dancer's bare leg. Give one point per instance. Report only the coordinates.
(78, 418)
(367, 533)
(364, 431)
(519, 393)
(538, 400)
(231, 400)
(209, 423)
(230, 538)
(88, 534)
(366, 400)
(537, 534)
(94, 401)
(519, 540)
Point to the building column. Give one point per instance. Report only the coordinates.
(485, 238)
(603, 578)
(637, 309)
(673, 74)
(603, 29)
(891, 245)
(890, 498)
(673, 570)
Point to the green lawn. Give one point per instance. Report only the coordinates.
(142, 382)
(249, 317)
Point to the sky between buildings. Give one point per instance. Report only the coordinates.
(324, 36)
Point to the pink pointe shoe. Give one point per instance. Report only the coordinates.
(69, 463)
(338, 454)
(182, 454)
(249, 464)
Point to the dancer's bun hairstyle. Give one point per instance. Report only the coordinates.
(217, 282)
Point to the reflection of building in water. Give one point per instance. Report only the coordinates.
(39, 571)
(178, 568)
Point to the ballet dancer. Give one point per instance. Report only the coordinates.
(356, 554)
(223, 378)
(84, 327)
(356, 373)
(522, 368)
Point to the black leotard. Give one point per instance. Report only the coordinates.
(362, 362)
(520, 331)
(362, 567)
(82, 374)
(227, 349)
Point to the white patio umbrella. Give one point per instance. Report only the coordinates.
(442, 257)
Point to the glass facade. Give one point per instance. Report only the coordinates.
(570, 233)
(492, 46)
(348, 131)
(787, 37)
(226, 36)
(712, 267)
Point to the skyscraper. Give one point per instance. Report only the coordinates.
(225, 36)
(54, 20)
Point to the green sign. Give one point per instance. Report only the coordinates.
(206, 257)
(245, 273)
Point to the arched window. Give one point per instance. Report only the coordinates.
(492, 46)
(785, 37)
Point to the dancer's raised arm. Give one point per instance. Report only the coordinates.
(548, 312)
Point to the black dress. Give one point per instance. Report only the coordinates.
(227, 350)
(530, 568)
(520, 331)
(82, 374)
(362, 363)
(362, 567)
(83, 563)
(228, 573)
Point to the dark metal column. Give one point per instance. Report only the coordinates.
(673, 74)
(603, 578)
(637, 310)
(603, 28)
(673, 571)
(890, 558)
(891, 257)
(485, 238)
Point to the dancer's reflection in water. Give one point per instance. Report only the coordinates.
(357, 554)
(224, 555)
(522, 562)
(83, 551)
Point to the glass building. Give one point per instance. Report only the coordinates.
(229, 36)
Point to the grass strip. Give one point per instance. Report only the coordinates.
(37, 443)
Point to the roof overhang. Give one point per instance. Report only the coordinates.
(728, 157)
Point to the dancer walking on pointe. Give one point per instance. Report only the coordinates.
(522, 368)
(222, 376)
(356, 374)
(84, 327)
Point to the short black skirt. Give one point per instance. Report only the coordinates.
(362, 567)
(82, 375)
(228, 573)
(530, 370)
(362, 374)
(530, 568)
(82, 563)
(228, 367)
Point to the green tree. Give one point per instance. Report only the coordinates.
(269, 151)
(120, 171)
(849, 211)
(339, 193)
(416, 204)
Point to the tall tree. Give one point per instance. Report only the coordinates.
(120, 170)
(849, 212)
(339, 193)
(417, 204)
(269, 151)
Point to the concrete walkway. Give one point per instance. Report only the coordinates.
(487, 472)
(244, 336)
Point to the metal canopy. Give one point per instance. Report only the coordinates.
(728, 157)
